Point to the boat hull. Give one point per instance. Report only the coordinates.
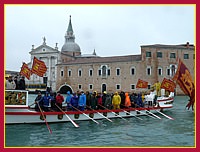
(30, 116)
(17, 110)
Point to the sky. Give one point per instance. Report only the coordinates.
(112, 30)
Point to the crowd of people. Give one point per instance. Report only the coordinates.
(80, 101)
(15, 83)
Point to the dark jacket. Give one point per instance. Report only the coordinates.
(93, 102)
(22, 85)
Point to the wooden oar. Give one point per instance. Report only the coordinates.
(101, 114)
(165, 115)
(75, 125)
(86, 115)
(131, 113)
(146, 114)
(44, 118)
(153, 114)
(31, 104)
(113, 112)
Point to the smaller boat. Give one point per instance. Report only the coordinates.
(17, 110)
(162, 101)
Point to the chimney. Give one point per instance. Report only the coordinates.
(187, 44)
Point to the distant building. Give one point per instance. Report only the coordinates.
(69, 70)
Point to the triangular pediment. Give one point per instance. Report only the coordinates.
(43, 49)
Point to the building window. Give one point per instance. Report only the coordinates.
(168, 71)
(132, 71)
(172, 55)
(186, 56)
(79, 86)
(90, 87)
(117, 71)
(118, 87)
(132, 86)
(43, 50)
(90, 72)
(148, 54)
(108, 72)
(148, 71)
(173, 69)
(159, 71)
(159, 54)
(104, 70)
(69, 73)
(99, 72)
(79, 72)
(149, 86)
(61, 73)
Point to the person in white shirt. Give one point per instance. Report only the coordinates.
(10, 84)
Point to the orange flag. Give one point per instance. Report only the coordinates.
(38, 67)
(168, 84)
(184, 79)
(25, 71)
(141, 84)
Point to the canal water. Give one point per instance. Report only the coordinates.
(131, 132)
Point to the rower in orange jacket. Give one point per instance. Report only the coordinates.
(127, 100)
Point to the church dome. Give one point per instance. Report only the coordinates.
(71, 47)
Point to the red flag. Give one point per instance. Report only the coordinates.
(184, 79)
(25, 71)
(141, 84)
(38, 67)
(168, 84)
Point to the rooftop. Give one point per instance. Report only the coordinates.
(180, 46)
(86, 60)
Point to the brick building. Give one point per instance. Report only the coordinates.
(91, 72)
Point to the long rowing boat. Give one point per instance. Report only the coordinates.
(17, 110)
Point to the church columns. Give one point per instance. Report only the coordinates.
(49, 77)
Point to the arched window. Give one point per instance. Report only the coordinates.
(132, 71)
(90, 72)
(62, 73)
(173, 68)
(148, 70)
(160, 71)
(117, 71)
(69, 73)
(104, 70)
(79, 72)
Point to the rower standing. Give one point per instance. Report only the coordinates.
(116, 100)
(59, 100)
(157, 86)
(38, 100)
(82, 101)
